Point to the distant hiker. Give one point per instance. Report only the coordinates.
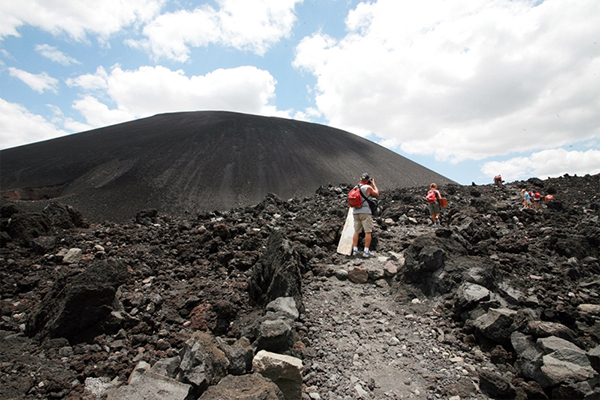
(433, 198)
(537, 197)
(525, 198)
(363, 220)
(531, 202)
(498, 180)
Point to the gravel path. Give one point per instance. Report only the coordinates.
(372, 344)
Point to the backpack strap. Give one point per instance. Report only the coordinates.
(361, 193)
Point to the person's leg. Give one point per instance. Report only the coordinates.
(367, 240)
(357, 229)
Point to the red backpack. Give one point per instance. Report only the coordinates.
(537, 196)
(431, 196)
(355, 198)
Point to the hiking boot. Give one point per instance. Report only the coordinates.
(368, 254)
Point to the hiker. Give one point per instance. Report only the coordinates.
(433, 200)
(536, 200)
(530, 194)
(363, 220)
(525, 198)
(498, 180)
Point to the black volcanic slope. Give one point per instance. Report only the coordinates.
(196, 161)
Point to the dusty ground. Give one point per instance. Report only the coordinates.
(382, 340)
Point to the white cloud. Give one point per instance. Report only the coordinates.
(96, 81)
(18, 126)
(97, 114)
(249, 25)
(52, 53)
(75, 18)
(462, 80)
(546, 163)
(151, 90)
(39, 83)
(68, 123)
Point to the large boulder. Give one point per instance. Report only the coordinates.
(79, 304)
(278, 273)
(563, 362)
(551, 361)
(422, 258)
(23, 228)
(64, 216)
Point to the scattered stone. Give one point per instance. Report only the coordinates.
(358, 275)
(495, 385)
(245, 387)
(496, 324)
(72, 256)
(284, 371)
(275, 335)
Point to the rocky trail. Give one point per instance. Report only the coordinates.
(374, 341)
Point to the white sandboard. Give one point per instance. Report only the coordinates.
(345, 244)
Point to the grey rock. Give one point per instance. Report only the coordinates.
(341, 274)
(284, 370)
(245, 387)
(496, 324)
(202, 363)
(239, 354)
(529, 357)
(168, 367)
(151, 386)
(285, 306)
(43, 244)
(511, 294)
(72, 256)
(478, 275)
(495, 384)
(469, 294)
(563, 362)
(275, 335)
(594, 356)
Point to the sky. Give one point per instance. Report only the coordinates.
(468, 88)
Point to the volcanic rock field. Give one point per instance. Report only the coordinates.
(500, 301)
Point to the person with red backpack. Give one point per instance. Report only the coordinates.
(433, 203)
(536, 199)
(363, 219)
